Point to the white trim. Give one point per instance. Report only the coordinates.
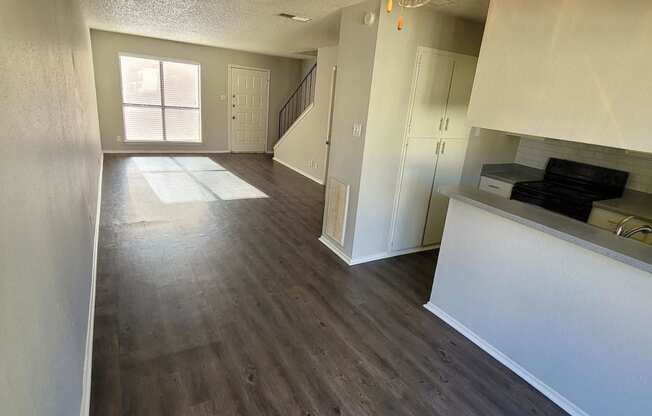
(546, 390)
(294, 124)
(352, 262)
(230, 68)
(404, 145)
(389, 254)
(297, 170)
(84, 409)
(335, 249)
(198, 151)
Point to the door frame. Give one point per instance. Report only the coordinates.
(230, 68)
(329, 129)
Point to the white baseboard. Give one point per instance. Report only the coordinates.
(389, 254)
(299, 171)
(335, 249)
(198, 151)
(385, 255)
(546, 390)
(88, 352)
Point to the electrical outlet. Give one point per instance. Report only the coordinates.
(119, 138)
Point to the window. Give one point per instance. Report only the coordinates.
(160, 100)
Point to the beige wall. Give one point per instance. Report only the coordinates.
(49, 168)
(355, 59)
(303, 147)
(577, 70)
(306, 65)
(285, 76)
(395, 54)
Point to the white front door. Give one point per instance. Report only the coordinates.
(249, 103)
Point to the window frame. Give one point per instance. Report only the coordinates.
(162, 106)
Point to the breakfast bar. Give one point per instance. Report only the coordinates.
(543, 294)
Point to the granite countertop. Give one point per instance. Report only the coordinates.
(638, 204)
(592, 238)
(511, 172)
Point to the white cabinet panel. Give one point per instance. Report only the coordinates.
(431, 88)
(436, 146)
(448, 173)
(456, 124)
(496, 187)
(416, 186)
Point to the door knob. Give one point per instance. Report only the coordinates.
(233, 117)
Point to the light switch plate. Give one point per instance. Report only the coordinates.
(357, 129)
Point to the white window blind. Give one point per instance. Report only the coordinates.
(160, 100)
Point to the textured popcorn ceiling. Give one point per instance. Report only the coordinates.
(251, 25)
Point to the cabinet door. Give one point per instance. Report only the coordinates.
(456, 124)
(414, 194)
(448, 173)
(429, 94)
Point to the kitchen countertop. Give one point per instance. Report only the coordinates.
(592, 238)
(511, 172)
(634, 203)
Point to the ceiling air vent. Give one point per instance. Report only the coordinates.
(295, 17)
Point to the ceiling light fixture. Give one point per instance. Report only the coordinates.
(408, 4)
(301, 19)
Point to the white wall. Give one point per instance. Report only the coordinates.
(388, 107)
(49, 168)
(303, 147)
(577, 70)
(574, 319)
(285, 77)
(487, 146)
(536, 152)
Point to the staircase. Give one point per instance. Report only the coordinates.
(300, 99)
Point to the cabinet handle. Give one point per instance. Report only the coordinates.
(446, 126)
(441, 121)
(493, 186)
(437, 149)
(443, 147)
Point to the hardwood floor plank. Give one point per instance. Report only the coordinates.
(235, 308)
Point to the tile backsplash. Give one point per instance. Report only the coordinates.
(536, 152)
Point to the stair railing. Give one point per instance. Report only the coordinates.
(300, 99)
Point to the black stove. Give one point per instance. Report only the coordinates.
(569, 188)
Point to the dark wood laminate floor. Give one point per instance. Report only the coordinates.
(235, 308)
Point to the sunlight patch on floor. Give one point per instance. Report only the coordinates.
(156, 164)
(193, 179)
(194, 164)
(175, 187)
(228, 186)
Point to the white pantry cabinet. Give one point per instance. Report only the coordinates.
(435, 146)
